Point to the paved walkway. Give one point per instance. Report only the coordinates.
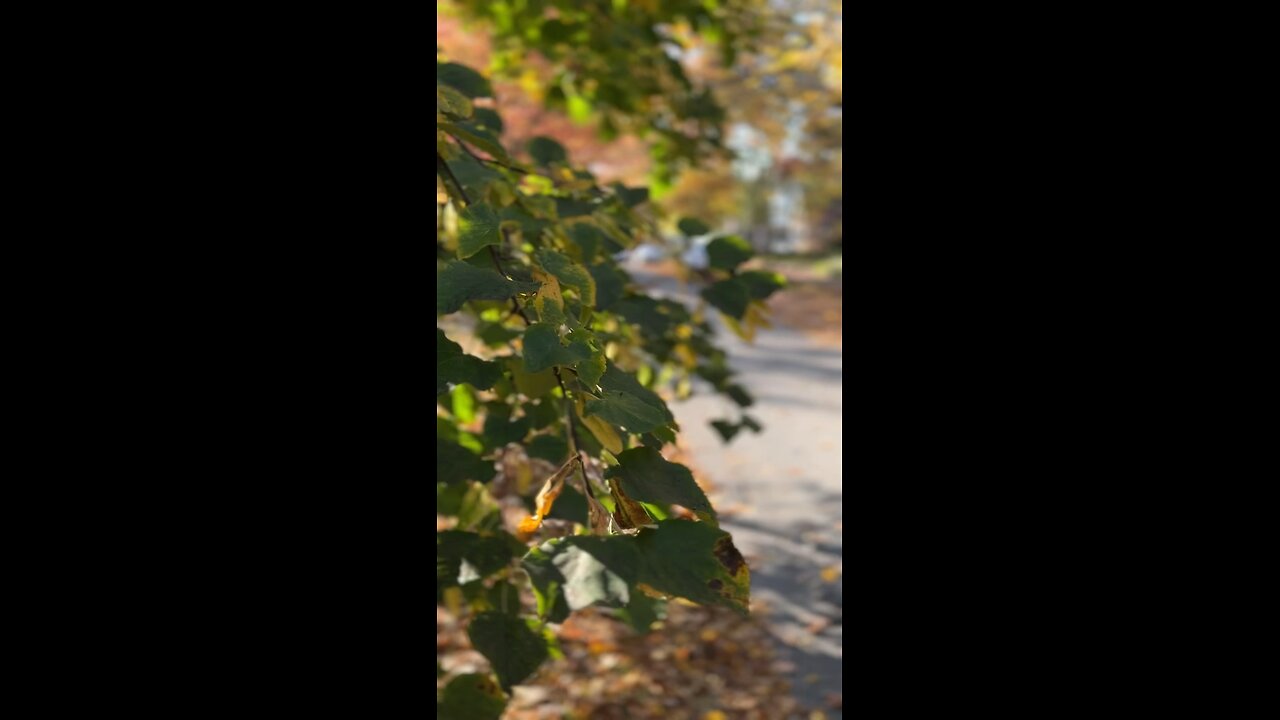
(781, 490)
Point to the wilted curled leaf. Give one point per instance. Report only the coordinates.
(598, 516)
(547, 497)
(630, 514)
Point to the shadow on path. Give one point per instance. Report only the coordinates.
(781, 491)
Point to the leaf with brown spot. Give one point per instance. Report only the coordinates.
(695, 561)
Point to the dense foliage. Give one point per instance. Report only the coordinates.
(551, 363)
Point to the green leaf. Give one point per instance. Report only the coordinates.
(621, 381)
(692, 227)
(547, 584)
(531, 384)
(571, 505)
(530, 226)
(761, 283)
(495, 334)
(502, 597)
(455, 463)
(611, 283)
(739, 395)
(592, 369)
(726, 429)
(695, 561)
(539, 206)
(474, 176)
(665, 434)
(471, 697)
(729, 297)
(613, 232)
(455, 366)
(588, 238)
(475, 135)
(579, 108)
(487, 119)
(459, 282)
(656, 318)
(477, 229)
(647, 477)
(557, 31)
(642, 612)
(471, 503)
(550, 448)
(568, 207)
(541, 414)
(568, 273)
(452, 102)
(542, 349)
(545, 151)
(500, 430)
(463, 556)
(631, 197)
(626, 411)
(510, 644)
(727, 252)
(464, 79)
(588, 570)
(464, 404)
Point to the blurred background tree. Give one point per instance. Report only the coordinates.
(640, 91)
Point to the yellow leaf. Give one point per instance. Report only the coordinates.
(829, 574)
(604, 432)
(758, 313)
(453, 600)
(550, 302)
(687, 358)
(755, 317)
(744, 330)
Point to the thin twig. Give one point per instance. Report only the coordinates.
(499, 163)
(574, 443)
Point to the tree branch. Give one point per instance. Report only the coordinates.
(441, 164)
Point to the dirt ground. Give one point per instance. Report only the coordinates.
(702, 663)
